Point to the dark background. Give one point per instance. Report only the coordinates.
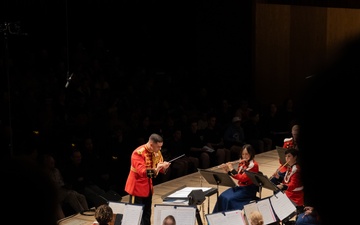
(207, 38)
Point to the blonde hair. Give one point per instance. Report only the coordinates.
(256, 218)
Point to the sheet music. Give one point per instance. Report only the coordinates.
(264, 207)
(183, 193)
(234, 217)
(248, 208)
(117, 207)
(266, 210)
(132, 214)
(184, 215)
(282, 205)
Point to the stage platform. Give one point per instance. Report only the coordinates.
(268, 163)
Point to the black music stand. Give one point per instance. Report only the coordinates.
(261, 180)
(217, 178)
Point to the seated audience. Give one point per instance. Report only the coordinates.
(74, 199)
(195, 145)
(27, 185)
(234, 137)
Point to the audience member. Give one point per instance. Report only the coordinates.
(146, 162)
(271, 123)
(66, 195)
(254, 133)
(234, 137)
(236, 197)
(25, 183)
(176, 147)
(79, 177)
(213, 138)
(104, 214)
(195, 145)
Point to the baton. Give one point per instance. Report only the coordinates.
(176, 158)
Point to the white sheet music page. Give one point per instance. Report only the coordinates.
(184, 215)
(248, 208)
(132, 215)
(183, 193)
(117, 207)
(266, 210)
(229, 218)
(282, 205)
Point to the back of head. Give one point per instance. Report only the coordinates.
(256, 218)
(103, 214)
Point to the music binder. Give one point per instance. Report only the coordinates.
(217, 178)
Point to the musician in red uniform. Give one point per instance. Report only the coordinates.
(288, 143)
(146, 163)
(292, 184)
(236, 197)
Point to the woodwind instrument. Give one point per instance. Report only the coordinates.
(277, 170)
(233, 162)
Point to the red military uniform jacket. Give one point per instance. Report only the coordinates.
(137, 183)
(243, 179)
(288, 143)
(294, 185)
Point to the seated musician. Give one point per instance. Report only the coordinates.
(236, 197)
(292, 185)
(288, 143)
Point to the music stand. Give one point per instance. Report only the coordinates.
(217, 178)
(262, 181)
(281, 154)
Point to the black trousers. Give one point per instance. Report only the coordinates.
(147, 202)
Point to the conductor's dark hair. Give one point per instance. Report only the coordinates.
(156, 138)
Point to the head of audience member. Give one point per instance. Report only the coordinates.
(104, 214)
(32, 194)
(169, 220)
(329, 110)
(256, 218)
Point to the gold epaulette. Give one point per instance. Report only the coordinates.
(140, 151)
